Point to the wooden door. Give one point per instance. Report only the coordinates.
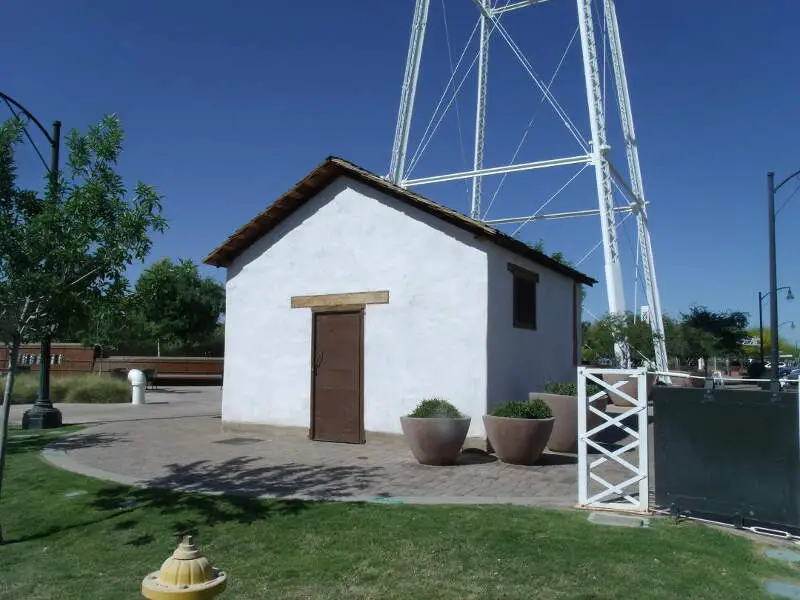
(337, 377)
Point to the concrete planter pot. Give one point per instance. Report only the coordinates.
(630, 388)
(435, 441)
(564, 437)
(518, 441)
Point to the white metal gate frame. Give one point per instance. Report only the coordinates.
(640, 472)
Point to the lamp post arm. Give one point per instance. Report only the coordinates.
(27, 113)
(787, 180)
(43, 415)
(783, 287)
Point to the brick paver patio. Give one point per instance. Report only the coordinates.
(176, 442)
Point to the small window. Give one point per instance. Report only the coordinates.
(524, 297)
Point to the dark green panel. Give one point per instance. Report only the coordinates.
(728, 454)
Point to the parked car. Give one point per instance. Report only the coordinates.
(793, 375)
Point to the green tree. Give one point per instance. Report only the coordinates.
(178, 306)
(707, 333)
(631, 334)
(69, 246)
(675, 339)
(598, 341)
(103, 318)
(784, 345)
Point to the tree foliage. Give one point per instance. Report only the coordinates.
(171, 308)
(71, 246)
(633, 335)
(177, 304)
(74, 244)
(784, 345)
(709, 333)
(700, 333)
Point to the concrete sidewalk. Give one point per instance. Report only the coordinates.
(165, 403)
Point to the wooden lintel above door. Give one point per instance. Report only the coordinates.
(332, 300)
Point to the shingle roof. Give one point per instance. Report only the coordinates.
(333, 167)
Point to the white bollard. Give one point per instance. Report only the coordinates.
(138, 383)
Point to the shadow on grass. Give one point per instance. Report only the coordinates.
(56, 529)
(203, 494)
(21, 441)
(229, 488)
(196, 509)
(141, 540)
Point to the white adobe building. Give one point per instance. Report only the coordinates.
(350, 299)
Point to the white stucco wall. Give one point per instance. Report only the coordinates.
(430, 339)
(522, 360)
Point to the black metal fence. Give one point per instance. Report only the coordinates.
(730, 455)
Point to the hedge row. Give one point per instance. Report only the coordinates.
(91, 389)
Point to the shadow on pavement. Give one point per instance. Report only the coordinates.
(245, 476)
(552, 459)
(115, 419)
(77, 442)
(168, 390)
(475, 456)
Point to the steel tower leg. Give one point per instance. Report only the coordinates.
(480, 112)
(594, 94)
(637, 186)
(400, 146)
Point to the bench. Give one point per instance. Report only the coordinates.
(154, 375)
(158, 376)
(188, 376)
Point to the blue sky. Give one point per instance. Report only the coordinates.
(228, 105)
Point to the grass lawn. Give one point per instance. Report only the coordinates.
(100, 542)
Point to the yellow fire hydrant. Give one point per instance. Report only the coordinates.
(186, 574)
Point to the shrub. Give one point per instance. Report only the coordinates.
(570, 389)
(26, 388)
(94, 389)
(561, 388)
(533, 409)
(435, 408)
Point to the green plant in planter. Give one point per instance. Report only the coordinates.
(532, 409)
(570, 389)
(435, 408)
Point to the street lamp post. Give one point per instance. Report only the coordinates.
(761, 298)
(42, 415)
(772, 189)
